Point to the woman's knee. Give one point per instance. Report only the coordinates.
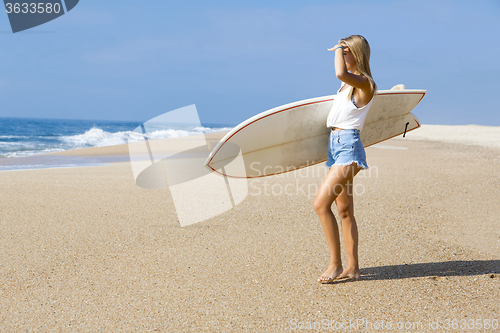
(320, 207)
(344, 210)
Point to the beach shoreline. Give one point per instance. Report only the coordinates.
(469, 135)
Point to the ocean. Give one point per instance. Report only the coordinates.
(21, 138)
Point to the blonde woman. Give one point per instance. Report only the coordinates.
(346, 154)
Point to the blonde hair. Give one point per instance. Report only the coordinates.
(361, 51)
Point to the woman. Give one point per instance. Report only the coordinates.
(346, 155)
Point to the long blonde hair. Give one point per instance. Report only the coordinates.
(361, 51)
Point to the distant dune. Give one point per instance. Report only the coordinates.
(487, 136)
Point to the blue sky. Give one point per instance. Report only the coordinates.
(134, 60)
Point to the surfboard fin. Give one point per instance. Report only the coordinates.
(398, 87)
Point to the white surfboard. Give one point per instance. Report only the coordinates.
(295, 135)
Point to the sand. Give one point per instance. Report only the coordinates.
(85, 249)
(471, 135)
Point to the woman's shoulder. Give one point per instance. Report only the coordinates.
(342, 85)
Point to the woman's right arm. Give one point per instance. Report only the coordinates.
(357, 81)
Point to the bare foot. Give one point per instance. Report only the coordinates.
(349, 273)
(330, 274)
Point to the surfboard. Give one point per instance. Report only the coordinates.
(294, 136)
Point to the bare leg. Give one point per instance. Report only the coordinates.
(345, 206)
(330, 189)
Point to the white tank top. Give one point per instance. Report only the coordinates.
(345, 114)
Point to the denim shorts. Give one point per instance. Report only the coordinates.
(345, 148)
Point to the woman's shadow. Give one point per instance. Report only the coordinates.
(433, 269)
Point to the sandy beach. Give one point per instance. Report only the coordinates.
(86, 249)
